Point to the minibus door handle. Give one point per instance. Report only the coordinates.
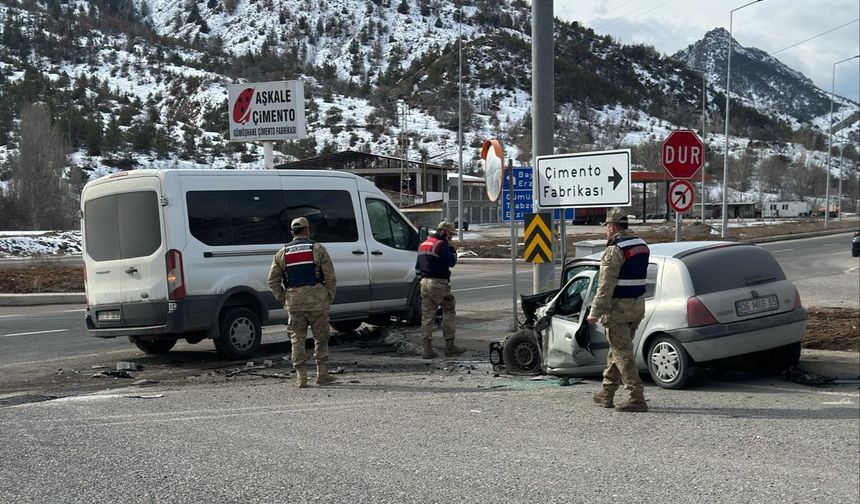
(358, 252)
(131, 270)
(377, 252)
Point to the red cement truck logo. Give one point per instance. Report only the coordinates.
(242, 107)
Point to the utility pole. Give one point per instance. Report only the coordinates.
(543, 111)
(724, 215)
(460, 128)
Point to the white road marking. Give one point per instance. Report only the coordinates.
(33, 332)
(781, 250)
(843, 401)
(479, 288)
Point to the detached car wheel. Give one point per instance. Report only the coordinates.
(668, 363)
(521, 354)
(153, 347)
(240, 333)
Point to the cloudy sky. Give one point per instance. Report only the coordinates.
(770, 25)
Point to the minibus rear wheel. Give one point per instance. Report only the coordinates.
(240, 333)
(153, 347)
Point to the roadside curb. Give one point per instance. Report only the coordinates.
(43, 299)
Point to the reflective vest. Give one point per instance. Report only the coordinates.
(435, 258)
(299, 267)
(631, 279)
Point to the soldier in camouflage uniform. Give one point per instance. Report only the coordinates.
(435, 260)
(620, 305)
(302, 279)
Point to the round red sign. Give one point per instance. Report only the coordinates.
(682, 154)
(681, 196)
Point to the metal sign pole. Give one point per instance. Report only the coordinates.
(677, 226)
(268, 155)
(514, 324)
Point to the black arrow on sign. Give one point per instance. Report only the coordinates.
(615, 177)
(683, 196)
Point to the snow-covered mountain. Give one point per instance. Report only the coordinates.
(760, 80)
(143, 83)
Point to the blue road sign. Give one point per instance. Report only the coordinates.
(523, 204)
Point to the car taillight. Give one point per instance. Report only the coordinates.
(698, 314)
(175, 276)
(797, 303)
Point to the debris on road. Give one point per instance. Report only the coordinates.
(799, 375)
(128, 366)
(144, 396)
(113, 373)
(567, 381)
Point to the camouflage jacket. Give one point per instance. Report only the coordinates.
(308, 297)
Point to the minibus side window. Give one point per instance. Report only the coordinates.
(389, 228)
(331, 214)
(260, 217)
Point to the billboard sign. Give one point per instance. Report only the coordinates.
(266, 111)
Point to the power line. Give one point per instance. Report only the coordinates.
(815, 36)
(803, 41)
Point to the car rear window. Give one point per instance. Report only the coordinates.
(734, 267)
(122, 226)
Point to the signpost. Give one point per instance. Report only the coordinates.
(494, 173)
(266, 111)
(682, 155)
(592, 179)
(681, 196)
(538, 238)
(521, 200)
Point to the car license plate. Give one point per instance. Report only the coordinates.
(756, 305)
(108, 316)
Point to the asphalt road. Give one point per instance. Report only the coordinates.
(437, 436)
(822, 269)
(402, 430)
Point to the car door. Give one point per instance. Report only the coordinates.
(569, 338)
(392, 243)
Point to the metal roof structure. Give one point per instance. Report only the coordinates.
(363, 163)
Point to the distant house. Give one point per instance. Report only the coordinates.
(774, 209)
(425, 192)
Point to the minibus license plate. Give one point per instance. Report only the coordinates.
(109, 316)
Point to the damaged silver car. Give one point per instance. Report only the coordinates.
(705, 302)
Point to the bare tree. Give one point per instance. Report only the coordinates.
(37, 187)
(772, 172)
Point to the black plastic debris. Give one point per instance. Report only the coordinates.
(799, 375)
(114, 373)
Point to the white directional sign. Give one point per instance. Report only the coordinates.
(590, 179)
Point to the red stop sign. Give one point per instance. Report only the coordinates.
(682, 154)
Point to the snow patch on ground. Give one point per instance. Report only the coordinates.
(39, 243)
